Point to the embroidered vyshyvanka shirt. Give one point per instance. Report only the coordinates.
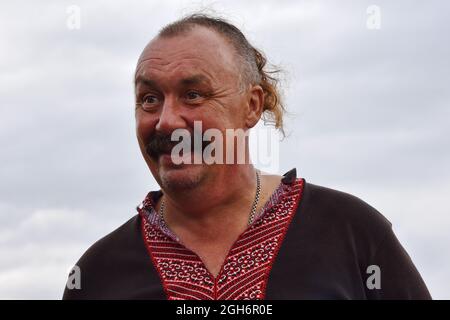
(247, 266)
(308, 242)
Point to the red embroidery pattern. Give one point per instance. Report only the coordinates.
(245, 271)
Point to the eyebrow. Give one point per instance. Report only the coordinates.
(195, 79)
(188, 81)
(145, 81)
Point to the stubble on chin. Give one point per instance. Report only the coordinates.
(175, 180)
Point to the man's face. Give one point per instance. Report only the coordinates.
(182, 79)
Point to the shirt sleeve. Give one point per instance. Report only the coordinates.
(398, 277)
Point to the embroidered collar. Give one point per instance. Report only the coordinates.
(148, 205)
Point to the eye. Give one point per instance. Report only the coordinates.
(149, 102)
(193, 95)
(150, 99)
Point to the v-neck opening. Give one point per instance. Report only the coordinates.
(276, 197)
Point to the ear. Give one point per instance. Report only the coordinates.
(255, 105)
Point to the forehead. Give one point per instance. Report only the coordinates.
(200, 50)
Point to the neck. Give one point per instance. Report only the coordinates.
(224, 200)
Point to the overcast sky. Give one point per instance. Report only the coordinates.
(369, 110)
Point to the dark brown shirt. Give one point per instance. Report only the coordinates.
(308, 242)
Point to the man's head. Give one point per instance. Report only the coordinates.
(198, 69)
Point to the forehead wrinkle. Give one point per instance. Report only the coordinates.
(165, 62)
(167, 55)
(167, 47)
(147, 70)
(162, 56)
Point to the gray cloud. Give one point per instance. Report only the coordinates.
(370, 117)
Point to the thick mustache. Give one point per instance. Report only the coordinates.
(159, 144)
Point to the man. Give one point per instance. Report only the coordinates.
(224, 230)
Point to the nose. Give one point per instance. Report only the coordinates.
(170, 117)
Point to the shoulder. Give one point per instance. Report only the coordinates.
(104, 265)
(335, 236)
(342, 207)
(105, 249)
(342, 217)
(117, 267)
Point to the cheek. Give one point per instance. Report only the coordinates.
(210, 120)
(145, 125)
(226, 114)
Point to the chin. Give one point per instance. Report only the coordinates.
(181, 177)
